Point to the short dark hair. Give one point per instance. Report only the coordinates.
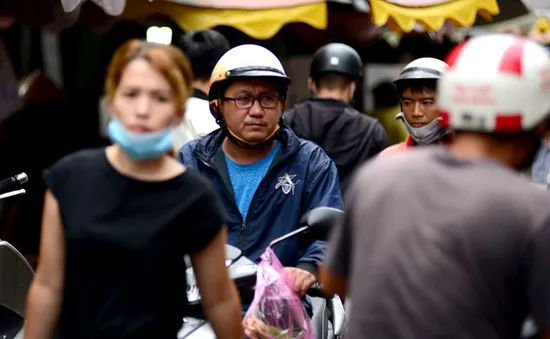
(332, 81)
(204, 48)
(416, 86)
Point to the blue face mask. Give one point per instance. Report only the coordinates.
(140, 146)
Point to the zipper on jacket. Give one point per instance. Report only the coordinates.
(219, 175)
(242, 234)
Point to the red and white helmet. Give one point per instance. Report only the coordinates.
(495, 83)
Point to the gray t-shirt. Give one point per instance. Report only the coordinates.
(436, 247)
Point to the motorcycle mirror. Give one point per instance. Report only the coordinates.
(319, 222)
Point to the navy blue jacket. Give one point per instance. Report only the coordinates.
(300, 178)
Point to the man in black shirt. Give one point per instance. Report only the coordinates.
(347, 136)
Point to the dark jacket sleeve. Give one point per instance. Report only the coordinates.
(376, 140)
(323, 190)
(381, 140)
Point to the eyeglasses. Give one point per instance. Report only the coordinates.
(266, 101)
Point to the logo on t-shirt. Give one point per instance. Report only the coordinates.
(286, 183)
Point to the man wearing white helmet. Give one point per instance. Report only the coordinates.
(266, 176)
(416, 88)
(459, 247)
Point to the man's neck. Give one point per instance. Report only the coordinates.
(244, 156)
(334, 95)
(201, 85)
(547, 139)
(475, 146)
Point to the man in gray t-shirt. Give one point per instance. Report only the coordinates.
(454, 243)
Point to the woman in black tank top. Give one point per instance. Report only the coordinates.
(118, 221)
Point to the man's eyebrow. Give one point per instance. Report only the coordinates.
(263, 92)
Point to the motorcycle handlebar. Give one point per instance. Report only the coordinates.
(13, 182)
(316, 291)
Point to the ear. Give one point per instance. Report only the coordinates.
(215, 109)
(353, 88)
(310, 85)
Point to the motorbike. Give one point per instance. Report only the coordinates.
(16, 273)
(328, 321)
(329, 317)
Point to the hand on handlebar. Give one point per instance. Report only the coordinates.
(303, 280)
(254, 328)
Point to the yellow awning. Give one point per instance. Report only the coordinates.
(260, 24)
(462, 13)
(540, 32)
(541, 26)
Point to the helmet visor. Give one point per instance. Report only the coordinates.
(419, 73)
(257, 71)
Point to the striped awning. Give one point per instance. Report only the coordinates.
(244, 4)
(406, 15)
(259, 23)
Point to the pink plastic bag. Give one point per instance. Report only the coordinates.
(276, 311)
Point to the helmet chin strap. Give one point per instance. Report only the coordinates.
(234, 138)
(252, 145)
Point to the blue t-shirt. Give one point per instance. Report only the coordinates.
(245, 179)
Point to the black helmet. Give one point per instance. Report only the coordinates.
(337, 58)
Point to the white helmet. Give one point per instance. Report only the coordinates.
(495, 83)
(422, 69)
(247, 61)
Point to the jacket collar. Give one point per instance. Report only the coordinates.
(210, 144)
(329, 101)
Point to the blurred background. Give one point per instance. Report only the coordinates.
(54, 54)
